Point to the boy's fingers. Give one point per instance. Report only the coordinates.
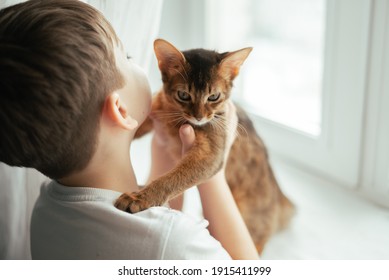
(160, 134)
(187, 136)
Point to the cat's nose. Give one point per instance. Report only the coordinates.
(199, 119)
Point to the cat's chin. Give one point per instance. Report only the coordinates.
(196, 122)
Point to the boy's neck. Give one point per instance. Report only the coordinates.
(115, 174)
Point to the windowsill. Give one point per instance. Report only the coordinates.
(330, 222)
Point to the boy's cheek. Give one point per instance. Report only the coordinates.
(146, 108)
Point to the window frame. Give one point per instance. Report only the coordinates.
(375, 164)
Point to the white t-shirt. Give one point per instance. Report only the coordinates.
(82, 223)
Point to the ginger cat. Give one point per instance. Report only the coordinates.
(196, 85)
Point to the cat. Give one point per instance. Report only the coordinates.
(196, 85)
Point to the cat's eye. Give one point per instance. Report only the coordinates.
(183, 95)
(214, 97)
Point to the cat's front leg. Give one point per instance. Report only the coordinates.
(202, 161)
(133, 202)
(155, 194)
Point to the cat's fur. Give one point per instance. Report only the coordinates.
(192, 80)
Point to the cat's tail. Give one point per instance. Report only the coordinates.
(287, 211)
(286, 208)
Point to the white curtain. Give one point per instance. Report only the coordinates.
(137, 24)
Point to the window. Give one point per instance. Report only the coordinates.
(315, 84)
(283, 77)
(305, 82)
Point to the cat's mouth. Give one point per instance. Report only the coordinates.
(197, 121)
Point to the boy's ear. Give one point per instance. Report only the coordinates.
(170, 60)
(116, 110)
(230, 65)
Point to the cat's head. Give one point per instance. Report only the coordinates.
(197, 82)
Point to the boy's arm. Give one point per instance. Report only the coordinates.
(162, 162)
(225, 221)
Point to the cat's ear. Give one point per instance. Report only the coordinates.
(170, 59)
(230, 65)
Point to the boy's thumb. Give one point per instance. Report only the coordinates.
(187, 136)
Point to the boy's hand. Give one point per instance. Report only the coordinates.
(161, 161)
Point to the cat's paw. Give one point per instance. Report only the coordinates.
(132, 202)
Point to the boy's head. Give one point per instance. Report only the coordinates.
(57, 66)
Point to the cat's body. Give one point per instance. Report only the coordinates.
(197, 84)
(264, 208)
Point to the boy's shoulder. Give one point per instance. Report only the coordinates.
(97, 205)
(64, 220)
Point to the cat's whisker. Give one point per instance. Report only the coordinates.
(221, 119)
(162, 113)
(173, 120)
(167, 115)
(179, 121)
(219, 124)
(213, 125)
(240, 128)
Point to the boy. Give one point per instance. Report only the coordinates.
(70, 106)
